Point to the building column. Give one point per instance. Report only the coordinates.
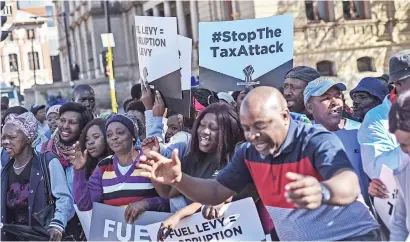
(87, 67)
(72, 49)
(167, 9)
(155, 11)
(194, 23)
(194, 19)
(79, 51)
(124, 19)
(181, 18)
(96, 56)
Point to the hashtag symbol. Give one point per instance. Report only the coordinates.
(216, 37)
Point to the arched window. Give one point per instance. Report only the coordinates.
(365, 64)
(326, 68)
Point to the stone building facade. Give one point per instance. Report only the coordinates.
(346, 40)
(25, 54)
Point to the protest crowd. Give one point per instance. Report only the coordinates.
(312, 165)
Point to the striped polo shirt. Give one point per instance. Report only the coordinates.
(307, 150)
(121, 190)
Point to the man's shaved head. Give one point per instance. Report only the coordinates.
(265, 119)
(264, 99)
(81, 88)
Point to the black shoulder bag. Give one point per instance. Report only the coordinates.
(45, 216)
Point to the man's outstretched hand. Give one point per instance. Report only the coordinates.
(161, 169)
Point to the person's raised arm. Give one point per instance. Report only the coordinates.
(377, 147)
(168, 171)
(202, 190)
(213, 192)
(85, 192)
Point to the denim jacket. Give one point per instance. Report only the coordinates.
(377, 145)
(37, 197)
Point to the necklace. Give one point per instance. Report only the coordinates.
(21, 167)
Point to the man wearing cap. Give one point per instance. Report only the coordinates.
(39, 112)
(296, 81)
(378, 145)
(323, 99)
(368, 94)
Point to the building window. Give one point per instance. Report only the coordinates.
(326, 68)
(50, 17)
(7, 11)
(30, 33)
(366, 64)
(353, 9)
(13, 63)
(317, 11)
(33, 61)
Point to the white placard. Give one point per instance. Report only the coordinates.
(385, 207)
(85, 219)
(108, 224)
(237, 224)
(157, 45)
(108, 40)
(185, 49)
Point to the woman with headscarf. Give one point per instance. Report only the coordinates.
(116, 181)
(23, 190)
(40, 138)
(53, 116)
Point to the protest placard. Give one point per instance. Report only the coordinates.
(185, 55)
(241, 53)
(108, 224)
(85, 220)
(237, 224)
(157, 45)
(385, 207)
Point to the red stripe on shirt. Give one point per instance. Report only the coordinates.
(270, 179)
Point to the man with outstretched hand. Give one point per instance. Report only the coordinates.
(302, 174)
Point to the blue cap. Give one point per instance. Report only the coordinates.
(320, 86)
(373, 86)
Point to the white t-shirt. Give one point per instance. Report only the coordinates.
(124, 169)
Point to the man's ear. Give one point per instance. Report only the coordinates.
(286, 115)
(309, 107)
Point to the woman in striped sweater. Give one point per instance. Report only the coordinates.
(116, 181)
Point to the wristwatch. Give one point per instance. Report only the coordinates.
(325, 193)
